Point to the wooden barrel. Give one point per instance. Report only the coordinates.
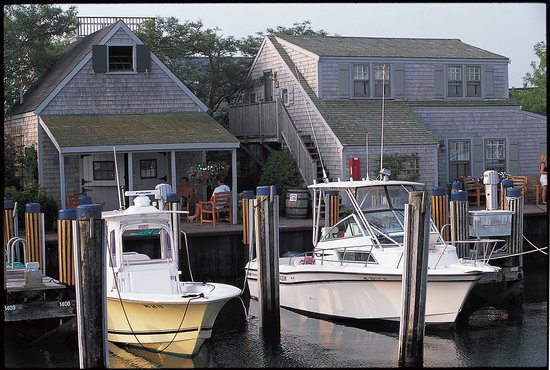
(297, 202)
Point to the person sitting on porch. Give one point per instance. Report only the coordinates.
(185, 191)
(221, 188)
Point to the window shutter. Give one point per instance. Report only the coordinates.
(439, 81)
(99, 58)
(343, 80)
(143, 58)
(398, 81)
(488, 81)
(513, 167)
(477, 157)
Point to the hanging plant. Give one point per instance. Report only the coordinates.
(207, 173)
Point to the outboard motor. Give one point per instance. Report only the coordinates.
(490, 179)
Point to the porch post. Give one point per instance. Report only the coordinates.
(62, 180)
(173, 170)
(234, 182)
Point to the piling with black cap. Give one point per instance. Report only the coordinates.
(266, 222)
(65, 240)
(34, 234)
(514, 202)
(459, 221)
(414, 280)
(89, 255)
(504, 185)
(248, 195)
(440, 209)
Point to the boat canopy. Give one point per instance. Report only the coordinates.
(344, 185)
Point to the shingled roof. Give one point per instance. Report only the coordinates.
(52, 78)
(351, 120)
(337, 46)
(184, 129)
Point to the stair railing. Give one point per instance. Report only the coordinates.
(292, 138)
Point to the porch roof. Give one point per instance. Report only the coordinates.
(132, 132)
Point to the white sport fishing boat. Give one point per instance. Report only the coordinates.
(147, 304)
(355, 269)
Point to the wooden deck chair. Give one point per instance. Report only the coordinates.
(520, 182)
(475, 190)
(212, 210)
(533, 188)
(186, 207)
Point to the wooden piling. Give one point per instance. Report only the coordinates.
(440, 209)
(266, 222)
(173, 204)
(65, 240)
(332, 208)
(9, 225)
(34, 234)
(89, 255)
(459, 221)
(414, 280)
(247, 195)
(504, 184)
(514, 202)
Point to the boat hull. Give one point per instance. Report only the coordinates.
(367, 295)
(172, 327)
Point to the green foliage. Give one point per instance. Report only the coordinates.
(35, 36)
(19, 167)
(33, 193)
(533, 97)
(298, 28)
(281, 171)
(402, 166)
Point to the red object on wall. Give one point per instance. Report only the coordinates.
(355, 169)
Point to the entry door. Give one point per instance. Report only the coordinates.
(98, 178)
(268, 86)
(150, 169)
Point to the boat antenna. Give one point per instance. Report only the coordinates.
(117, 180)
(382, 132)
(325, 177)
(367, 152)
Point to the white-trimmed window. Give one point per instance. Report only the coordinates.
(252, 98)
(454, 81)
(382, 80)
(495, 154)
(459, 158)
(473, 81)
(361, 86)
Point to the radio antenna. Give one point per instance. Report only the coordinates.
(117, 180)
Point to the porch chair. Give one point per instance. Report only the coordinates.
(533, 188)
(520, 182)
(475, 190)
(220, 204)
(72, 200)
(186, 207)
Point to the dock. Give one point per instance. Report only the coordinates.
(216, 253)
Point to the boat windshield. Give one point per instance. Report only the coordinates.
(148, 242)
(383, 207)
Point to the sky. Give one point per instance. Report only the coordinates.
(508, 29)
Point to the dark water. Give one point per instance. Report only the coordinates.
(489, 338)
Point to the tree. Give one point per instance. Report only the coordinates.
(533, 95)
(35, 36)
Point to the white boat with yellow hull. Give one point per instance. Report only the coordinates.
(147, 304)
(356, 268)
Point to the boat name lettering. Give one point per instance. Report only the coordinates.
(374, 278)
(282, 278)
(10, 307)
(65, 304)
(153, 306)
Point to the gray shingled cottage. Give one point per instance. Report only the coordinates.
(109, 91)
(447, 111)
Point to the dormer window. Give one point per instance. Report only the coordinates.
(454, 81)
(361, 80)
(473, 81)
